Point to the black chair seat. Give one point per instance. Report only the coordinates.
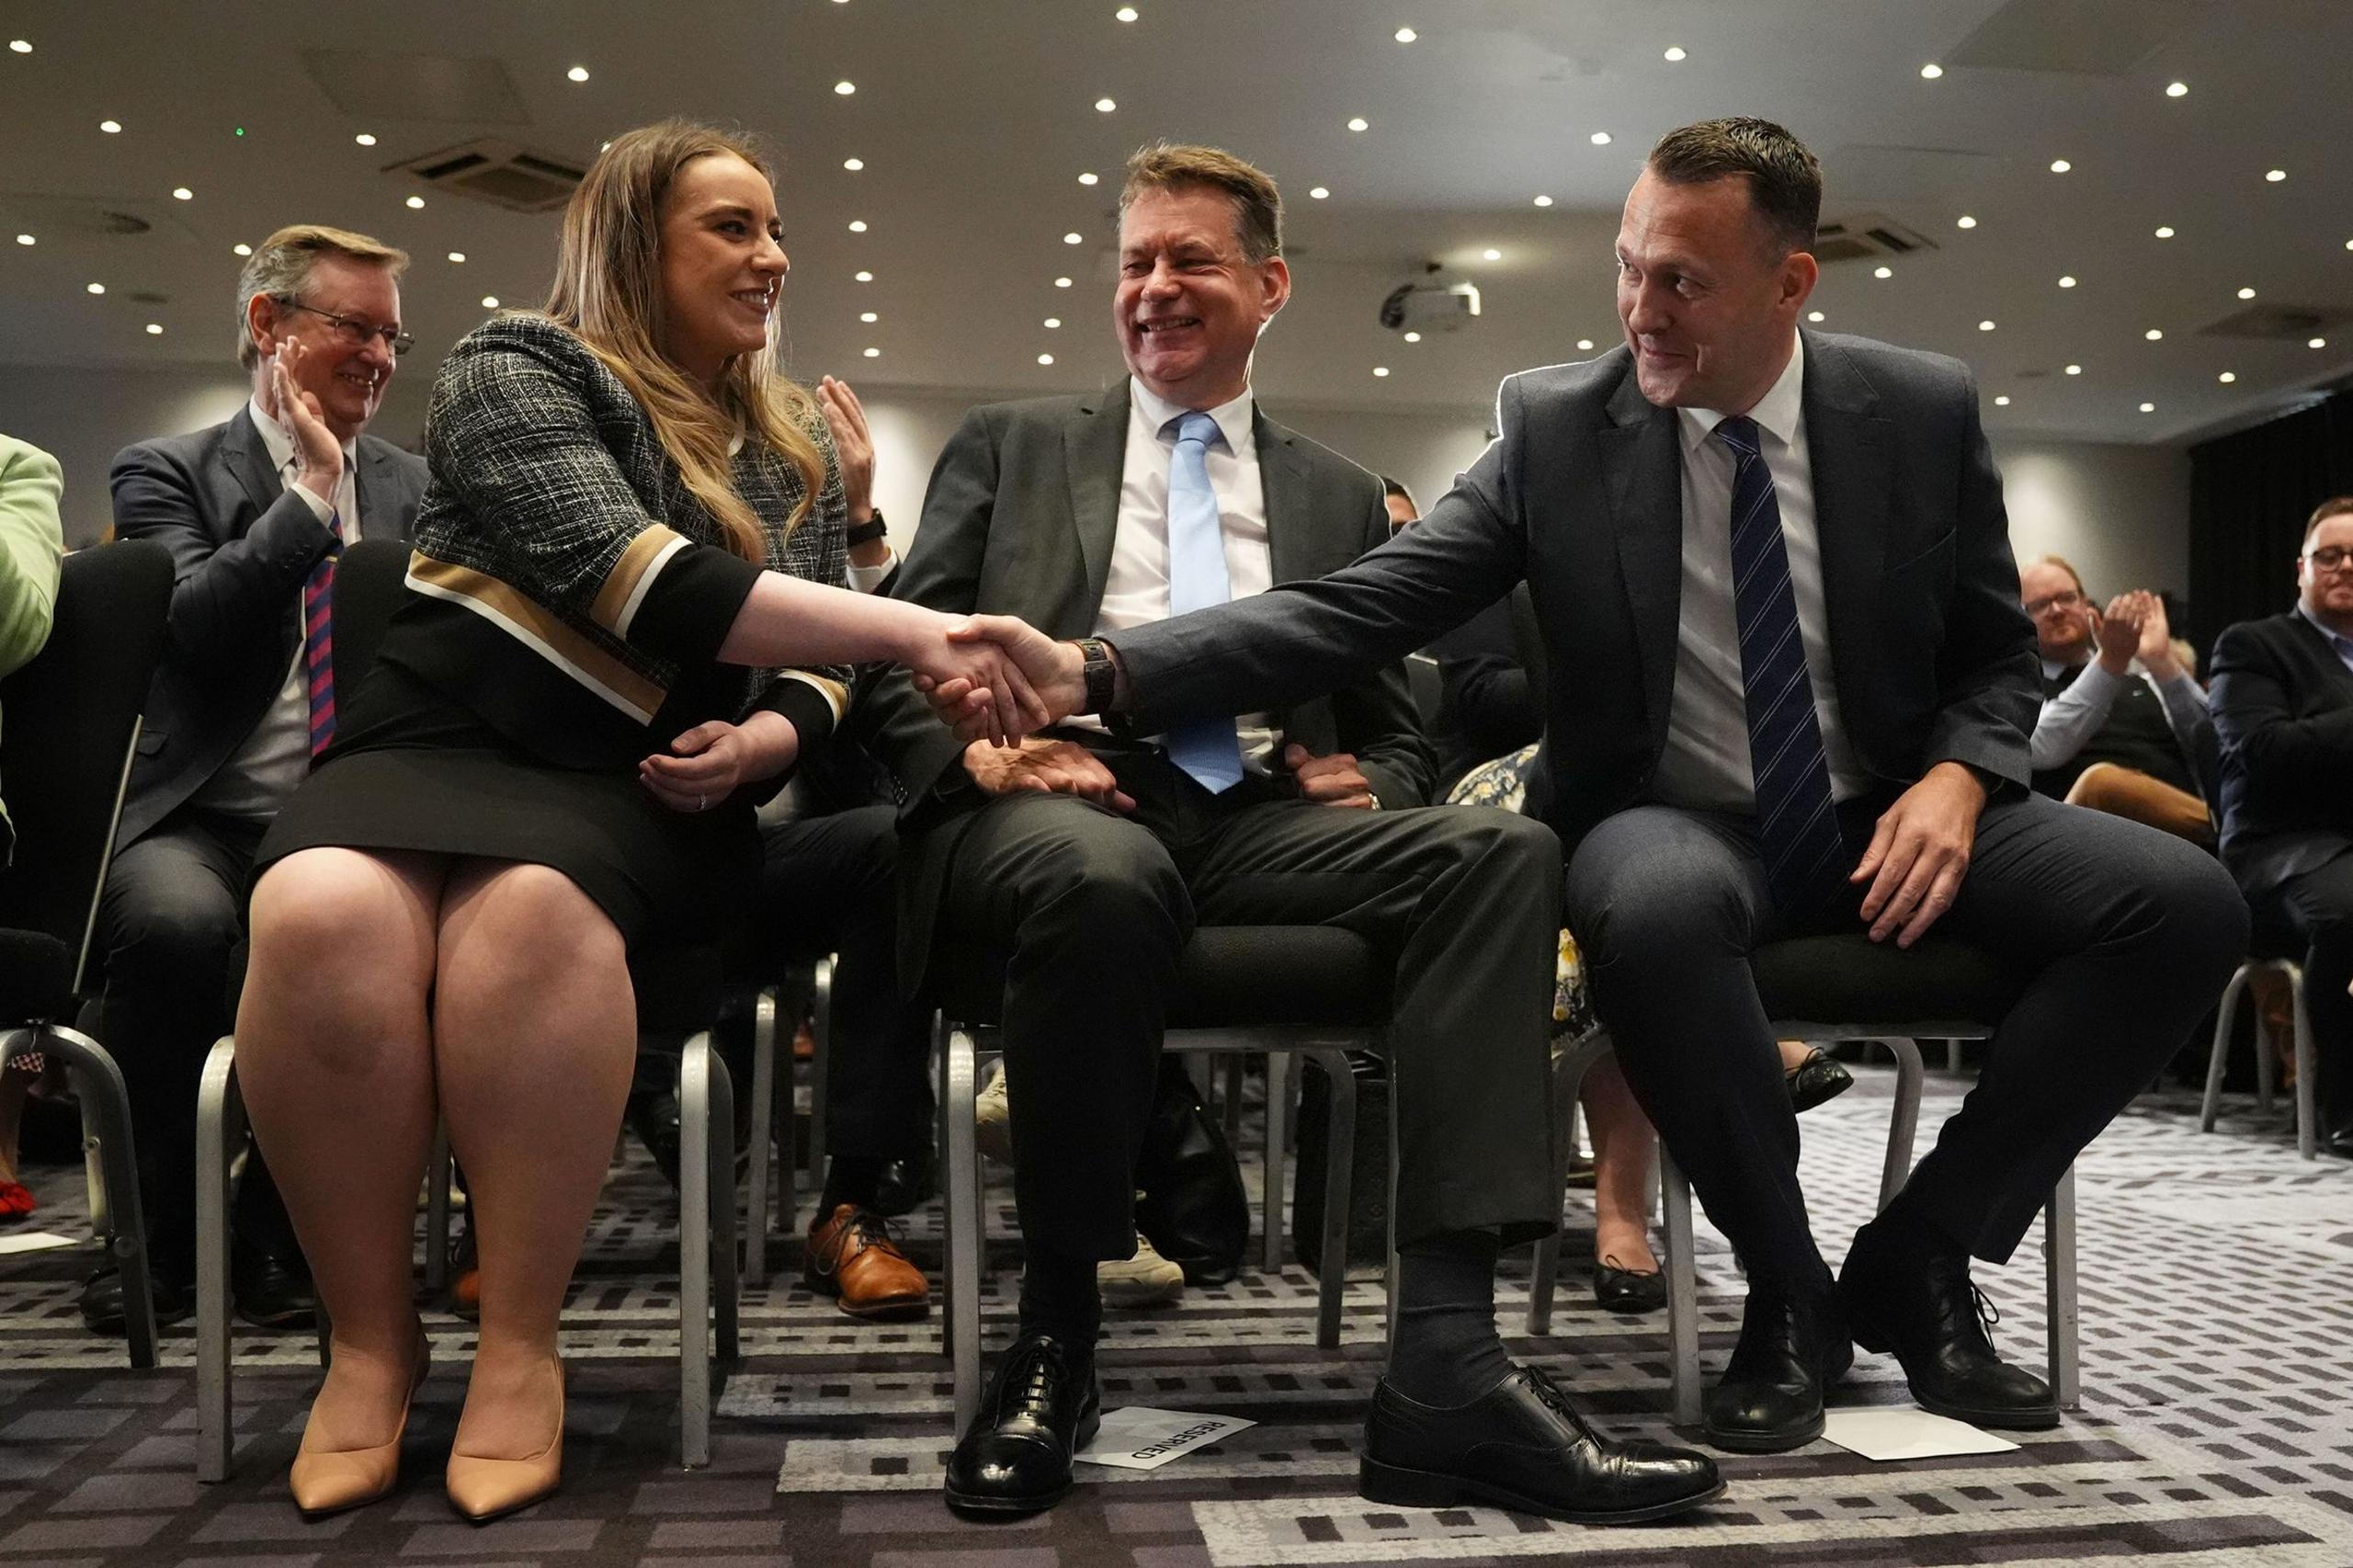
(1227, 976)
(35, 976)
(1849, 978)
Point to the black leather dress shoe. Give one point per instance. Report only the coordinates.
(1816, 1079)
(1192, 1207)
(1917, 1301)
(174, 1294)
(1791, 1349)
(1520, 1446)
(904, 1187)
(653, 1117)
(1042, 1406)
(1617, 1290)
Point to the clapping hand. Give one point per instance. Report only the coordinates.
(2115, 630)
(2156, 650)
(1050, 686)
(319, 455)
(853, 444)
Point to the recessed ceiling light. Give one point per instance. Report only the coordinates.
(416, 201)
(97, 287)
(2060, 166)
(1964, 221)
(1985, 326)
(2148, 408)
(864, 277)
(24, 239)
(1359, 123)
(1105, 105)
(2176, 89)
(1087, 179)
(2154, 334)
(365, 140)
(1380, 370)
(2246, 293)
(853, 164)
(1584, 344)
(20, 46)
(1412, 338)
(2165, 230)
(1406, 35)
(2074, 369)
(869, 317)
(2275, 175)
(1492, 254)
(1074, 238)
(1045, 359)
(1675, 52)
(1599, 139)
(2316, 342)
(2003, 401)
(1320, 192)
(490, 302)
(844, 89)
(874, 354)
(182, 193)
(111, 127)
(2067, 280)
(155, 329)
(1814, 315)
(1061, 282)
(240, 250)
(1882, 272)
(1932, 71)
(458, 256)
(1543, 202)
(1126, 13)
(2226, 378)
(858, 225)
(578, 73)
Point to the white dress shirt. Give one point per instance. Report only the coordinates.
(1706, 765)
(1135, 590)
(262, 774)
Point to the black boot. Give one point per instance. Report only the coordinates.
(1793, 1347)
(1906, 1293)
(1042, 1406)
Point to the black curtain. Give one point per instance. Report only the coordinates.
(2249, 495)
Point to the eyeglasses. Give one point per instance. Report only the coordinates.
(2065, 599)
(2329, 557)
(353, 332)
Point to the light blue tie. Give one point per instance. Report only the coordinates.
(1210, 750)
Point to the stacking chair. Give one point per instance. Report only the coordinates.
(72, 726)
(1311, 991)
(2276, 948)
(807, 989)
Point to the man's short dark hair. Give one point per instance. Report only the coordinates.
(1173, 167)
(2334, 507)
(1784, 180)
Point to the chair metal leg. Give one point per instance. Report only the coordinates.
(967, 1241)
(2059, 1292)
(2224, 1013)
(1388, 1283)
(1903, 1127)
(727, 1279)
(98, 1081)
(219, 1127)
(436, 1210)
(1953, 1063)
(1682, 1289)
(694, 1255)
(2307, 1120)
(821, 1038)
(1277, 1154)
(1339, 1174)
(1569, 1069)
(755, 1195)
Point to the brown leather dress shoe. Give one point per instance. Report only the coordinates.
(852, 1257)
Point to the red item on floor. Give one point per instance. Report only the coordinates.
(16, 1200)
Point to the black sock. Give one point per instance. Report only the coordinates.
(1448, 1352)
(850, 1179)
(1059, 1297)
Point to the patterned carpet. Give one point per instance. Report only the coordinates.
(2218, 1319)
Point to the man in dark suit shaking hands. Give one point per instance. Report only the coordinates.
(1086, 858)
(1792, 692)
(252, 510)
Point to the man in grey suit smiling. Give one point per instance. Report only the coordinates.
(1085, 857)
(1791, 693)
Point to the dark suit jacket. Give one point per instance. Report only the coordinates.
(241, 548)
(1019, 520)
(2283, 707)
(1581, 495)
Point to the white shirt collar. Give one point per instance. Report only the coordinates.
(1233, 418)
(279, 441)
(1776, 413)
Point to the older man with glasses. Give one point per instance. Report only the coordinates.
(2283, 703)
(255, 511)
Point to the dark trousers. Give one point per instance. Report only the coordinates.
(2130, 934)
(173, 908)
(830, 884)
(1092, 909)
(2318, 907)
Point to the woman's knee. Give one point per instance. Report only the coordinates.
(526, 925)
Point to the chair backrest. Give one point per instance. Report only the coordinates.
(68, 723)
(370, 582)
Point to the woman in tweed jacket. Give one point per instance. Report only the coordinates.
(620, 633)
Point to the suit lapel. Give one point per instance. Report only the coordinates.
(1641, 472)
(1095, 456)
(1289, 496)
(249, 461)
(1849, 449)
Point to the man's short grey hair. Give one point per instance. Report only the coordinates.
(280, 268)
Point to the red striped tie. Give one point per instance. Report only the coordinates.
(318, 641)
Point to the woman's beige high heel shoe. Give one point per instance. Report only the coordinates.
(328, 1481)
(486, 1489)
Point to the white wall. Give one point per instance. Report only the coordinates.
(2120, 514)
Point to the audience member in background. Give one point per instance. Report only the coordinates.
(622, 626)
(2283, 702)
(253, 514)
(31, 545)
(1720, 779)
(2124, 727)
(1093, 854)
(1399, 502)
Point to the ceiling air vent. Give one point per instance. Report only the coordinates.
(1866, 235)
(2279, 324)
(500, 173)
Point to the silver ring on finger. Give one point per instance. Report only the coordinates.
(701, 802)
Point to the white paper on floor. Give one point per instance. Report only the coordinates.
(1140, 1438)
(1890, 1434)
(31, 1241)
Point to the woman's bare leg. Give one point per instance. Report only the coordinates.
(336, 1060)
(535, 1036)
(1621, 1169)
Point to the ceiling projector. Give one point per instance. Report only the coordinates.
(1435, 302)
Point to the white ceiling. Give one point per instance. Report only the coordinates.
(974, 119)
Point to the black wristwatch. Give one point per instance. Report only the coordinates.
(866, 532)
(1098, 672)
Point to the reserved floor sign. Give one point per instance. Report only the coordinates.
(1140, 1438)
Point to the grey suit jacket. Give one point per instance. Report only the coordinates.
(241, 548)
(1581, 497)
(1019, 520)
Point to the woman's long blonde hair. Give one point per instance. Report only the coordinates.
(608, 291)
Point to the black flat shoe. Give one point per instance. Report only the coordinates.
(1917, 1301)
(271, 1289)
(1520, 1446)
(1042, 1406)
(904, 1187)
(1815, 1080)
(1617, 1290)
(174, 1299)
(1770, 1399)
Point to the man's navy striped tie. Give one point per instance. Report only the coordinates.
(1797, 823)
